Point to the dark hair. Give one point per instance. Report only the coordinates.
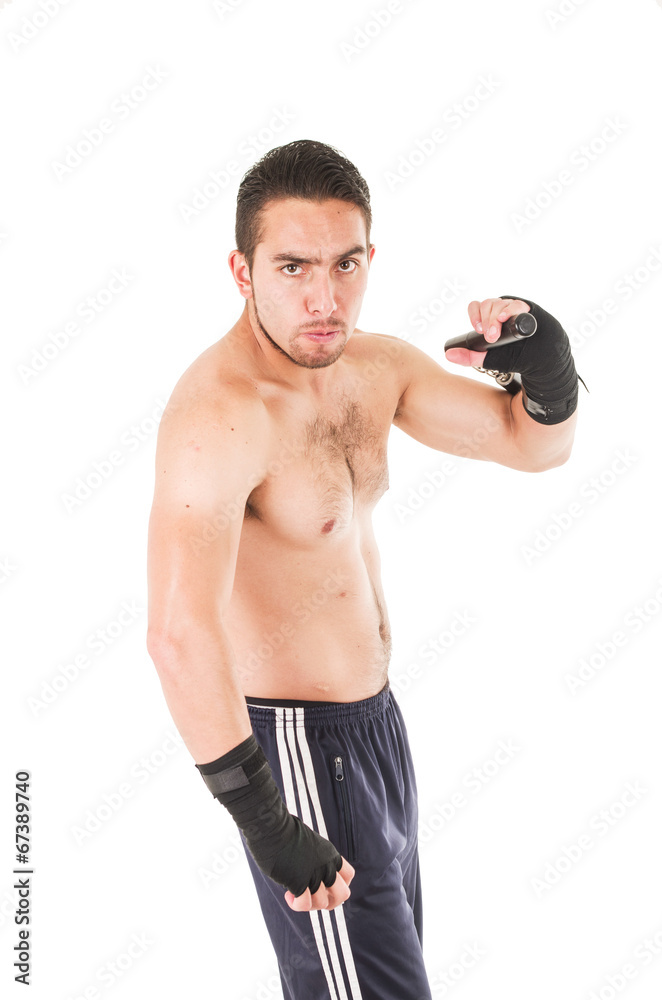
(304, 168)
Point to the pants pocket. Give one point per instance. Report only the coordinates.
(340, 767)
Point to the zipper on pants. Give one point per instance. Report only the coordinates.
(341, 779)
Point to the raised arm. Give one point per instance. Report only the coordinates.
(466, 417)
(210, 455)
(462, 416)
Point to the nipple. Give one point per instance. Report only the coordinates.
(328, 527)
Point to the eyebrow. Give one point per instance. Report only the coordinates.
(293, 258)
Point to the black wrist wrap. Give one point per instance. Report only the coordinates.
(545, 362)
(284, 848)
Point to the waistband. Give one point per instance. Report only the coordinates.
(265, 710)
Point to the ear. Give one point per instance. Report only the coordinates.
(240, 273)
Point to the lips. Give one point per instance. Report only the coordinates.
(322, 336)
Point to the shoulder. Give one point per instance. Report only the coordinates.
(212, 393)
(406, 362)
(369, 341)
(375, 345)
(382, 350)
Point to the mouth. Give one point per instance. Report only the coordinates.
(322, 337)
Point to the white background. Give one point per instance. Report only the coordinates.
(374, 92)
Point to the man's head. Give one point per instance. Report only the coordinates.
(303, 251)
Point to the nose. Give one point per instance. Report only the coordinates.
(320, 294)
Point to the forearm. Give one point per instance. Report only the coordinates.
(199, 678)
(545, 445)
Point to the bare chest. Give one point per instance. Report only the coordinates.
(327, 465)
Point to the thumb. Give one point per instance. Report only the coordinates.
(346, 872)
(463, 356)
(302, 902)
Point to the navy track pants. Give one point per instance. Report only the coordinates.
(345, 768)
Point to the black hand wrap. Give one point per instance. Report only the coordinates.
(284, 848)
(549, 379)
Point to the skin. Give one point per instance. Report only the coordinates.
(264, 575)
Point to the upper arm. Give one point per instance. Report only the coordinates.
(455, 414)
(210, 455)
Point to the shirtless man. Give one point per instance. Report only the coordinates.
(267, 620)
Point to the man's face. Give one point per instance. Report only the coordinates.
(309, 274)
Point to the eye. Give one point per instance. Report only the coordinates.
(345, 270)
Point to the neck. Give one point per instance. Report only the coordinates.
(270, 361)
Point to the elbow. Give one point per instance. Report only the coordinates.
(169, 650)
(162, 649)
(561, 460)
(154, 642)
(551, 463)
(174, 649)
